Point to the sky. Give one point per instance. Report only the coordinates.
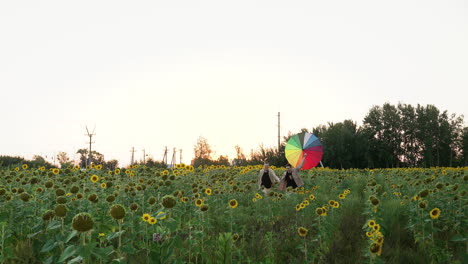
(151, 74)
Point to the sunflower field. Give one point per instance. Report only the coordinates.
(217, 215)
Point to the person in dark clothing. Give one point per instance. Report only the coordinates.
(291, 176)
(266, 178)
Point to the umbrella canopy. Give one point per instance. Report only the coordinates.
(302, 143)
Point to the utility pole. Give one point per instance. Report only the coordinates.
(278, 132)
(173, 162)
(180, 155)
(144, 157)
(133, 152)
(165, 156)
(90, 135)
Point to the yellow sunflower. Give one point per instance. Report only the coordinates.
(94, 178)
(199, 202)
(435, 213)
(208, 191)
(146, 217)
(302, 231)
(233, 203)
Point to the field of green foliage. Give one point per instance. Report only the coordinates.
(217, 215)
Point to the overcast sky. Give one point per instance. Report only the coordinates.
(150, 74)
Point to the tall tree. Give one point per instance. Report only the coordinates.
(203, 152)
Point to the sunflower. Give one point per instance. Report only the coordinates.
(302, 231)
(199, 202)
(371, 223)
(101, 234)
(146, 217)
(208, 191)
(55, 171)
(336, 205)
(103, 185)
(435, 213)
(254, 199)
(312, 197)
(152, 220)
(376, 249)
(258, 196)
(233, 203)
(319, 211)
(94, 178)
(332, 203)
(376, 227)
(24, 166)
(341, 196)
(298, 207)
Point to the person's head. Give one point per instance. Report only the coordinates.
(266, 165)
(288, 167)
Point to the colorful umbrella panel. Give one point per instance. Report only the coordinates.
(302, 143)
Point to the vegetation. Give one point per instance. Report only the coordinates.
(215, 214)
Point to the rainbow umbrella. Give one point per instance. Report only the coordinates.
(304, 143)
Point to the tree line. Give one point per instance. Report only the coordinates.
(390, 136)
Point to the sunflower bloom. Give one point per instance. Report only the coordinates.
(161, 216)
(435, 213)
(152, 221)
(312, 197)
(199, 202)
(55, 171)
(103, 185)
(371, 223)
(233, 203)
(146, 217)
(302, 231)
(94, 178)
(208, 191)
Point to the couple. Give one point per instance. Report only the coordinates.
(267, 177)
